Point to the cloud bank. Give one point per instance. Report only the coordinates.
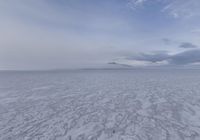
(188, 57)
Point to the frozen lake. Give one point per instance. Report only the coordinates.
(100, 105)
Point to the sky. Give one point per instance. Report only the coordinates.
(59, 34)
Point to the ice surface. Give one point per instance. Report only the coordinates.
(100, 105)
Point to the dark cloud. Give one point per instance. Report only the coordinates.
(182, 58)
(187, 45)
(187, 57)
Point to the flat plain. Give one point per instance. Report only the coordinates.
(152, 104)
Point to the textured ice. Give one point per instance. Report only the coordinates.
(100, 105)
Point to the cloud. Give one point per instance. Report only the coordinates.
(133, 4)
(186, 45)
(168, 41)
(151, 57)
(175, 8)
(183, 8)
(163, 58)
(186, 57)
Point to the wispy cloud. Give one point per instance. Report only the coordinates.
(135, 3)
(183, 8)
(175, 8)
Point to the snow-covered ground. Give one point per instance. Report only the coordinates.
(100, 105)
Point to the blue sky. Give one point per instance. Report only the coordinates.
(48, 34)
